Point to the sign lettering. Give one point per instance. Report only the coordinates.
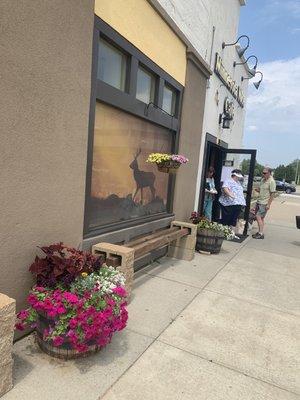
(228, 81)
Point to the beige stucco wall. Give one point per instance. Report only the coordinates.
(45, 64)
(190, 141)
(141, 25)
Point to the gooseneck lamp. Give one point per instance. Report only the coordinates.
(256, 84)
(252, 70)
(241, 50)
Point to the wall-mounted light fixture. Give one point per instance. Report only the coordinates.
(241, 50)
(227, 115)
(256, 84)
(251, 70)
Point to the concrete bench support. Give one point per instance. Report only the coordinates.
(184, 247)
(120, 257)
(7, 323)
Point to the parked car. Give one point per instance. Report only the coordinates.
(285, 187)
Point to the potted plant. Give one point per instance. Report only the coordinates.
(210, 235)
(77, 304)
(168, 163)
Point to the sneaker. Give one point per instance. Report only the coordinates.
(258, 235)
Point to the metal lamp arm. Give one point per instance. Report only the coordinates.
(253, 56)
(232, 44)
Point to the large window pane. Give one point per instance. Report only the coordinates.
(124, 186)
(111, 65)
(145, 86)
(169, 100)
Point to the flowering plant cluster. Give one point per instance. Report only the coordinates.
(224, 229)
(196, 217)
(62, 264)
(86, 312)
(77, 300)
(159, 158)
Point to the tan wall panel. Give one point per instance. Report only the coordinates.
(190, 141)
(45, 64)
(141, 25)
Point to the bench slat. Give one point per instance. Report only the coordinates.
(154, 235)
(144, 248)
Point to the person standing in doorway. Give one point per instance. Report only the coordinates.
(267, 189)
(210, 192)
(232, 199)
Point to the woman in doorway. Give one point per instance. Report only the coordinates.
(210, 192)
(232, 199)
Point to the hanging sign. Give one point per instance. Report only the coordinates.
(228, 81)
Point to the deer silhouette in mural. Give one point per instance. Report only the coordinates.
(143, 179)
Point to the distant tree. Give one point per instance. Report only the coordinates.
(290, 172)
(245, 167)
(286, 172)
(279, 172)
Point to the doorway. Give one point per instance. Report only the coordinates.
(224, 160)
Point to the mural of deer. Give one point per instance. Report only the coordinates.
(143, 179)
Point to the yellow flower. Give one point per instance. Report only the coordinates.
(84, 274)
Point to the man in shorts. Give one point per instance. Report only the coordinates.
(267, 191)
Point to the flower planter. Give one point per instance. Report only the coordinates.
(209, 240)
(77, 305)
(168, 167)
(64, 351)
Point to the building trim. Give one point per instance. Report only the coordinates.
(190, 48)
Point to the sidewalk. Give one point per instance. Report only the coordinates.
(223, 327)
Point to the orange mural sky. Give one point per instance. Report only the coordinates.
(117, 138)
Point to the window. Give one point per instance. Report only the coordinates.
(124, 186)
(145, 88)
(169, 100)
(111, 65)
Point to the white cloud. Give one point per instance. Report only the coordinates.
(294, 31)
(274, 110)
(252, 128)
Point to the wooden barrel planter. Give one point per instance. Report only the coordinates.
(168, 167)
(65, 351)
(209, 241)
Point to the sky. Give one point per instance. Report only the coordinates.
(272, 123)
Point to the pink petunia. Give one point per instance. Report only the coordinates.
(60, 310)
(120, 291)
(20, 326)
(70, 297)
(23, 314)
(58, 341)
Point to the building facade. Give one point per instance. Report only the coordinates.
(207, 25)
(89, 89)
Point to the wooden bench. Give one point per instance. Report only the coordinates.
(179, 238)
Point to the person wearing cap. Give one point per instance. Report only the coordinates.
(267, 190)
(232, 199)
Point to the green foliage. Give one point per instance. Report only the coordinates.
(245, 167)
(287, 172)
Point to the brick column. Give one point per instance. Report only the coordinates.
(7, 322)
(120, 257)
(184, 248)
